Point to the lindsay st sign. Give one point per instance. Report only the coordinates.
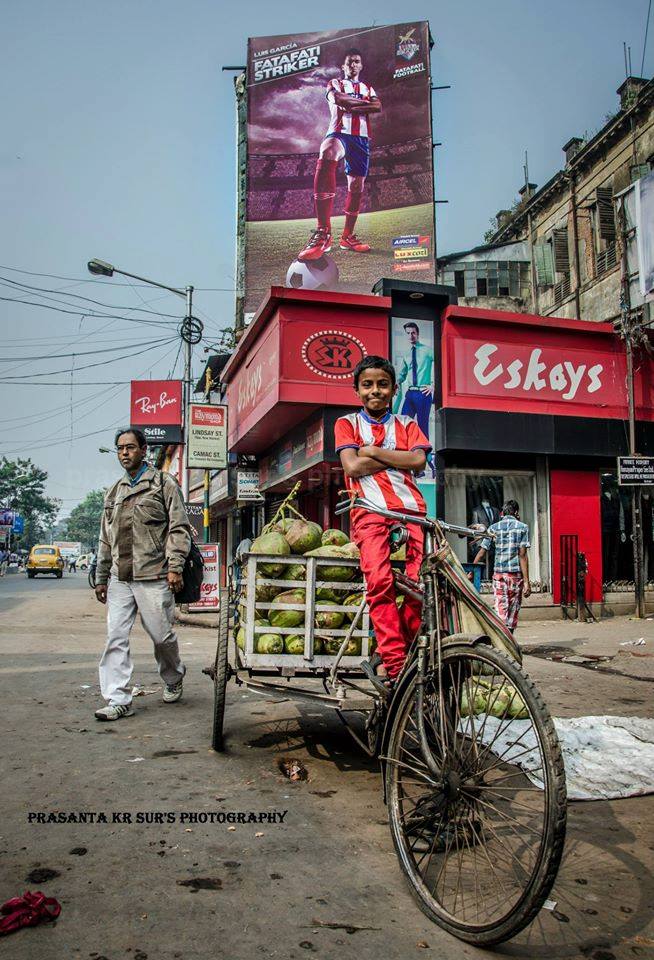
(517, 363)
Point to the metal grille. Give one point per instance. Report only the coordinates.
(569, 561)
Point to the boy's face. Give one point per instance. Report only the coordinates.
(375, 390)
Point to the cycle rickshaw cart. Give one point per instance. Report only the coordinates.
(472, 771)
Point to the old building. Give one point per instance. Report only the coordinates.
(574, 225)
(496, 275)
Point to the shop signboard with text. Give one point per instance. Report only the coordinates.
(247, 486)
(517, 363)
(209, 601)
(156, 409)
(207, 436)
(339, 144)
(300, 351)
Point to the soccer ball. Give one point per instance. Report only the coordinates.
(320, 274)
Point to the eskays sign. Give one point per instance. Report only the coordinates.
(519, 363)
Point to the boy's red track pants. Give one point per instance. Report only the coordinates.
(394, 628)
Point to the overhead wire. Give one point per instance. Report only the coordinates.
(115, 283)
(4, 281)
(87, 366)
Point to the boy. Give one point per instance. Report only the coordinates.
(380, 452)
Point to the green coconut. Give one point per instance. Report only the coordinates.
(497, 702)
(294, 644)
(269, 643)
(294, 571)
(351, 551)
(474, 704)
(353, 600)
(302, 535)
(334, 538)
(336, 573)
(265, 592)
(517, 708)
(318, 646)
(273, 544)
(329, 619)
(333, 644)
(325, 595)
(240, 633)
(287, 618)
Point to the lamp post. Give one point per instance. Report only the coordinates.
(190, 331)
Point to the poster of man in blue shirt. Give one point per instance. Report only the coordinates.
(414, 365)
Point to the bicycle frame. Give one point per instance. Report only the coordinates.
(428, 650)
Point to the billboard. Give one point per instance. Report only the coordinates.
(156, 409)
(339, 160)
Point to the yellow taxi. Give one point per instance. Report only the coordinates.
(44, 558)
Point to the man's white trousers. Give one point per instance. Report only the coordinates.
(155, 604)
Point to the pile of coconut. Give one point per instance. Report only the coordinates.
(294, 535)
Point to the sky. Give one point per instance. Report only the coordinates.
(118, 142)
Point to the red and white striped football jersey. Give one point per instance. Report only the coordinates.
(392, 488)
(343, 122)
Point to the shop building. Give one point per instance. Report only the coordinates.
(523, 407)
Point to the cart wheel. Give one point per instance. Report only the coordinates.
(221, 674)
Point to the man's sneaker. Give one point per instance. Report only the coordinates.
(352, 242)
(174, 693)
(319, 244)
(115, 711)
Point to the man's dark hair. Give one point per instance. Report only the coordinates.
(140, 436)
(352, 52)
(511, 508)
(376, 363)
(412, 324)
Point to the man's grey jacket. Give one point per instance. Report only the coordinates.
(145, 532)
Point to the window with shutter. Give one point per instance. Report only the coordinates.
(605, 213)
(544, 264)
(561, 252)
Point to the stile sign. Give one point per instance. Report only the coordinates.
(635, 471)
(207, 436)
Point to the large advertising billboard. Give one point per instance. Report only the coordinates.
(339, 160)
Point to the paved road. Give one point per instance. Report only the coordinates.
(187, 890)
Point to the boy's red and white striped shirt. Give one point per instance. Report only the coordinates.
(341, 121)
(392, 488)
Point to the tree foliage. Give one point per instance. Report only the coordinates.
(84, 521)
(22, 488)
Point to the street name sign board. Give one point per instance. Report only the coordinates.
(207, 436)
(635, 471)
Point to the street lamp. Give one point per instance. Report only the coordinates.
(191, 330)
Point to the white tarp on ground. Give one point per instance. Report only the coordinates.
(605, 757)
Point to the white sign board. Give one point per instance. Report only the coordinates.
(247, 485)
(210, 588)
(207, 436)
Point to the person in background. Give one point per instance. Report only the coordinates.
(145, 537)
(3, 561)
(511, 568)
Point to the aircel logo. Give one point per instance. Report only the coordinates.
(332, 354)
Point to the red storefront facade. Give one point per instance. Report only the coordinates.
(526, 407)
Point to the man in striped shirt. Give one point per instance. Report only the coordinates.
(351, 102)
(380, 453)
(511, 570)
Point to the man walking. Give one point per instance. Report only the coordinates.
(145, 537)
(511, 570)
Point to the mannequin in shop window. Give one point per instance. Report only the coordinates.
(484, 514)
(613, 533)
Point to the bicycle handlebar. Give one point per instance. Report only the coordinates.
(363, 504)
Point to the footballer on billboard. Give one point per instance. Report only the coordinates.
(340, 177)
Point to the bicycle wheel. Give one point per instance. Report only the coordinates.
(91, 578)
(481, 843)
(221, 674)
